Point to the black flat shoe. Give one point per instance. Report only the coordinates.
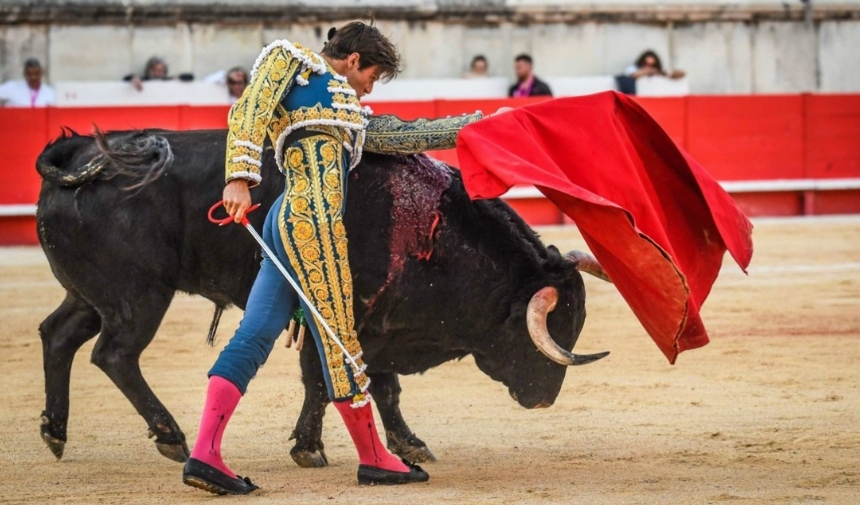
(371, 475)
(208, 478)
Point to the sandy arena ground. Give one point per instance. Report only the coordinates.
(768, 412)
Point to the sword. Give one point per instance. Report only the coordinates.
(259, 239)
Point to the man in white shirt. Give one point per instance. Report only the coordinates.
(235, 79)
(29, 91)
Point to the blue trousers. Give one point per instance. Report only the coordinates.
(270, 306)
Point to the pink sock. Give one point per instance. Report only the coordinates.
(222, 396)
(362, 429)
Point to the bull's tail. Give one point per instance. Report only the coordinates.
(143, 157)
(139, 156)
(213, 327)
(51, 162)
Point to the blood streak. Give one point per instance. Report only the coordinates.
(415, 191)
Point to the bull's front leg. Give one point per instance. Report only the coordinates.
(385, 390)
(308, 451)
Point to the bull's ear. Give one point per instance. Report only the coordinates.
(553, 253)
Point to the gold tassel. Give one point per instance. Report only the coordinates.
(291, 332)
(301, 340)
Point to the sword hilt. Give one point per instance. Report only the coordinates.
(290, 280)
(229, 219)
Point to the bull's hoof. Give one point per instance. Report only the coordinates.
(309, 459)
(56, 445)
(412, 449)
(415, 454)
(176, 452)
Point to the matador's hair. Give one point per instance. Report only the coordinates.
(373, 47)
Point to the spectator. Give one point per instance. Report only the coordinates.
(527, 83)
(29, 91)
(478, 67)
(236, 80)
(647, 64)
(155, 70)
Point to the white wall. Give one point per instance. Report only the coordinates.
(839, 56)
(716, 56)
(720, 56)
(17, 43)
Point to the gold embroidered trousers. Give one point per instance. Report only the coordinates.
(314, 238)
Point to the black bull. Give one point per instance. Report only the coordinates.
(122, 220)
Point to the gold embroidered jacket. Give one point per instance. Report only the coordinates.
(268, 110)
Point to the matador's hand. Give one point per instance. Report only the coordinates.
(237, 198)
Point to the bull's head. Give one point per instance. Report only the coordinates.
(541, 332)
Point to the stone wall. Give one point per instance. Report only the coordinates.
(724, 50)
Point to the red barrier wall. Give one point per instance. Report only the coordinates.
(735, 137)
(831, 136)
(24, 134)
(748, 137)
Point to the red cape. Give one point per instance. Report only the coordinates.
(656, 221)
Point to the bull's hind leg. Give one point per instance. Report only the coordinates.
(63, 333)
(308, 452)
(125, 334)
(385, 390)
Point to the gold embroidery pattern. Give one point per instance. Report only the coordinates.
(318, 112)
(259, 113)
(390, 135)
(314, 237)
(250, 117)
(315, 117)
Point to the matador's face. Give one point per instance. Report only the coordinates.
(360, 79)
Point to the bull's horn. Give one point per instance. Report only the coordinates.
(542, 303)
(586, 263)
